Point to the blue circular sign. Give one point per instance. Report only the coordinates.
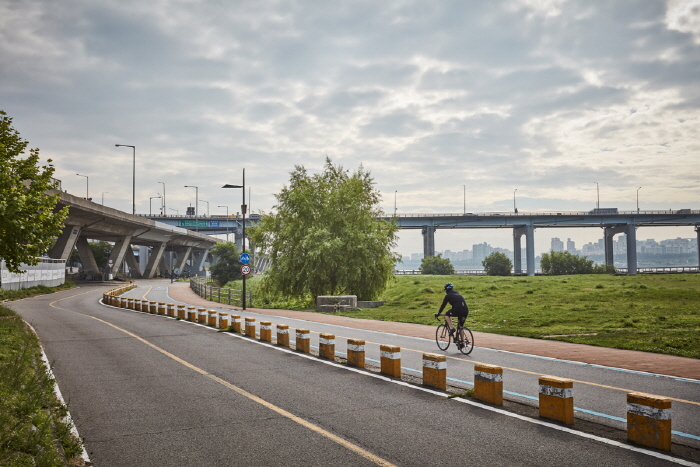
(244, 258)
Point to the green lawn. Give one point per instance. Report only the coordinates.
(653, 313)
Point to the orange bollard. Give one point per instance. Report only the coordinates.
(435, 370)
(326, 346)
(649, 420)
(266, 331)
(283, 335)
(250, 327)
(223, 320)
(557, 399)
(390, 360)
(488, 383)
(356, 353)
(303, 341)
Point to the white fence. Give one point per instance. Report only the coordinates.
(48, 272)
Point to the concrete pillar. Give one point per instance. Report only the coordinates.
(530, 249)
(86, 256)
(517, 252)
(697, 231)
(631, 233)
(65, 242)
(608, 234)
(238, 238)
(428, 232)
(132, 263)
(201, 258)
(156, 254)
(182, 257)
(117, 256)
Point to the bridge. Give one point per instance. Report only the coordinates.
(92, 221)
(523, 224)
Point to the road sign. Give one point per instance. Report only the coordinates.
(110, 262)
(245, 269)
(244, 258)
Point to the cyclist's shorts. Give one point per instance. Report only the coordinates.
(460, 313)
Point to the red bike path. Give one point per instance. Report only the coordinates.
(629, 359)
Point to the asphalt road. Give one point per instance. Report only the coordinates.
(147, 390)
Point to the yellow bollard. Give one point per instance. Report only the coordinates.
(154, 308)
(212, 318)
(356, 353)
(236, 323)
(192, 314)
(223, 320)
(283, 335)
(326, 346)
(171, 309)
(488, 383)
(250, 327)
(303, 341)
(390, 359)
(182, 311)
(130, 303)
(266, 331)
(435, 370)
(649, 420)
(557, 399)
(161, 308)
(202, 316)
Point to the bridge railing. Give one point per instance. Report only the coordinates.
(550, 213)
(205, 288)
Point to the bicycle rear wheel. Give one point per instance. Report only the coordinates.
(442, 337)
(467, 339)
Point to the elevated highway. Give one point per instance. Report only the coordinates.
(92, 221)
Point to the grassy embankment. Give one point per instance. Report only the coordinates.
(32, 431)
(653, 313)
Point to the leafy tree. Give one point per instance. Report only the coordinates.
(557, 263)
(29, 224)
(436, 265)
(326, 238)
(227, 267)
(497, 264)
(101, 251)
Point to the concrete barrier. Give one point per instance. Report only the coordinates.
(130, 303)
(162, 310)
(250, 327)
(171, 310)
(202, 315)
(266, 331)
(303, 340)
(153, 307)
(390, 360)
(192, 314)
(557, 399)
(356, 353)
(488, 383)
(236, 323)
(213, 315)
(138, 304)
(223, 320)
(283, 335)
(182, 311)
(649, 420)
(435, 370)
(326, 346)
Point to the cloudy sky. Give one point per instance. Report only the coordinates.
(441, 101)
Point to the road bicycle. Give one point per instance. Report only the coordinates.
(462, 337)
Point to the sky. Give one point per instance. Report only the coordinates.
(451, 105)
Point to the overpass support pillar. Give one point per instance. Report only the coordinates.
(182, 257)
(608, 235)
(65, 242)
(697, 231)
(154, 260)
(530, 249)
(86, 256)
(198, 260)
(631, 232)
(517, 251)
(428, 232)
(238, 238)
(117, 256)
(132, 262)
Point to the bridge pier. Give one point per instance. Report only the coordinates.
(697, 231)
(86, 256)
(517, 254)
(133, 264)
(117, 256)
(428, 232)
(529, 232)
(608, 234)
(631, 233)
(65, 242)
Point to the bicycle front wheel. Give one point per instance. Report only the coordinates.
(442, 337)
(467, 339)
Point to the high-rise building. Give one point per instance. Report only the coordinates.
(557, 245)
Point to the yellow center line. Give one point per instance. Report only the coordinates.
(315, 428)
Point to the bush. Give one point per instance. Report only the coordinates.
(227, 267)
(497, 264)
(562, 262)
(436, 265)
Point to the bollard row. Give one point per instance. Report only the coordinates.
(648, 416)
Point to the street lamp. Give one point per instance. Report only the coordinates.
(133, 184)
(226, 221)
(243, 210)
(638, 199)
(162, 211)
(203, 201)
(597, 189)
(196, 205)
(177, 213)
(395, 191)
(150, 204)
(103, 197)
(515, 209)
(465, 199)
(87, 185)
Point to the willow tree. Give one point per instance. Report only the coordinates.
(28, 223)
(327, 237)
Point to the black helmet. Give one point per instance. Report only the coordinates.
(449, 286)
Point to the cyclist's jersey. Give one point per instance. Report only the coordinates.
(456, 300)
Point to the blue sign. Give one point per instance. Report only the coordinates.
(214, 224)
(244, 258)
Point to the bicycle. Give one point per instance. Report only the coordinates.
(463, 337)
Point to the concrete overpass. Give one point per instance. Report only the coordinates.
(91, 221)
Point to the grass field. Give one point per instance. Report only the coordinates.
(653, 313)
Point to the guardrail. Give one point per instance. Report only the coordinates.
(641, 270)
(201, 286)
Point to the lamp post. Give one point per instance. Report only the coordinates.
(150, 204)
(515, 209)
(203, 201)
(133, 184)
(162, 210)
(638, 199)
(465, 199)
(196, 205)
(226, 221)
(87, 185)
(395, 191)
(597, 189)
(177, 213)
(243, 210)
(103, 197)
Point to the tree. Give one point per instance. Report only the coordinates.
(227, 267)
(436, 265)
(557, 263)
(101, 251)
(497, 264)
(327, 237)
(29, 224)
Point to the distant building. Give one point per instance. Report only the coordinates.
(571, 246)
(557, 245)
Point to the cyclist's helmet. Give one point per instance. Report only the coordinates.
(449, 286)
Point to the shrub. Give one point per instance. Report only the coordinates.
(436, 265)
(562, 262)
(497, 264)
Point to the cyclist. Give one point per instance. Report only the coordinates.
(459, 307)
